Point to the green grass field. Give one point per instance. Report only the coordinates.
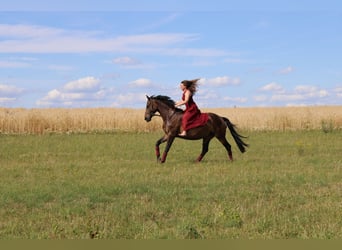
(105, 186)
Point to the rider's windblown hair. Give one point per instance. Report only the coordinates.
(191, 85)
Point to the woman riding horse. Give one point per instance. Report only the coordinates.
(172, 122)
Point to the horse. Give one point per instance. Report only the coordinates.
(172, 120)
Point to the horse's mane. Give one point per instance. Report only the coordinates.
(166, 100)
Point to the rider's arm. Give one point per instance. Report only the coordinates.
(187, 95)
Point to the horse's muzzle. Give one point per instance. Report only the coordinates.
(148, 119)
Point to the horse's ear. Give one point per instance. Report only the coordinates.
(148, 98)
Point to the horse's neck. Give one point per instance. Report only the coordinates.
(165, 111)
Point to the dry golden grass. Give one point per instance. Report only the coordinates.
(39, 121)
(284, 118)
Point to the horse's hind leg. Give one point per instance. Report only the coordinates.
(228, 147)
(205, 148)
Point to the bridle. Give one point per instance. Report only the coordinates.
(152, 114)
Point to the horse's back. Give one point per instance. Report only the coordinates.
(216, 123)
(215, 118)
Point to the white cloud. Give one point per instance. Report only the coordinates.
(27, 31)
(207, 94)
(56, 67)
(9, 90)
(129, 100)
(323, 93)
(273, 87)
(80, 92)
(56, 95)
(338, 92)
(133, 63)
(305, 89)
(221, 81)
(141, 83)
(53, 95)
(338, 89)
(235, 99)
(286, 70)
(88, 91)
(84, 84)
(296, 105)
(203, 63)
(42, 39)
(311, 91)
(260, 98)
(126, 60)
(4, 100)
(234, 60)
(14, 64)
(302, 93)
(202, 52)
(157, 24)
(9, 93)
(287, 97)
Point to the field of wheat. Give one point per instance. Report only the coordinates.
(41, 121)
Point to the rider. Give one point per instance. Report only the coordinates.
(192, 116)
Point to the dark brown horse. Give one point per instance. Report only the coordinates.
(172, 120)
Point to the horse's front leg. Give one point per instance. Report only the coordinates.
(169, 142)
(160, 141)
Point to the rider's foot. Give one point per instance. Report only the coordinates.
(183, 133)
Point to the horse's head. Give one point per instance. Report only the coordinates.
(151, 108)
(160, 103)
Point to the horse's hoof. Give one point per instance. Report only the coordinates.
(230, 157)
(159, 160)
(199, 159)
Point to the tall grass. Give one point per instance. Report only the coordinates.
(284, 118)
(40, 121)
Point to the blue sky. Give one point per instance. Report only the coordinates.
(113, 53)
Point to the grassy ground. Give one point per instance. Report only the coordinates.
(287, 185)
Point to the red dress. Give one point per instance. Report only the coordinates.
(192, 116)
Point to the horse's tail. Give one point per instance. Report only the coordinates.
(237, 137)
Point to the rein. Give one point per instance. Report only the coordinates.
(171, 112)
